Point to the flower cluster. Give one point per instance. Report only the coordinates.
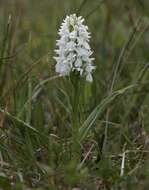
(73, 53)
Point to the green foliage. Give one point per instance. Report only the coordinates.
(56, 133)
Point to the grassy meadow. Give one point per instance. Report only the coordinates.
(54, 137)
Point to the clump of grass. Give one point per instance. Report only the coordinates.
(108, 146)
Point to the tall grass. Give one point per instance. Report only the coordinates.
(38, 109)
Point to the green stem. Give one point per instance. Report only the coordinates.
(75, 117)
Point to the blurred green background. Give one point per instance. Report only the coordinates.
(120, 42)
(35, 26)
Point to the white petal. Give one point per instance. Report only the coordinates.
(78, 62)
(89, 77)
